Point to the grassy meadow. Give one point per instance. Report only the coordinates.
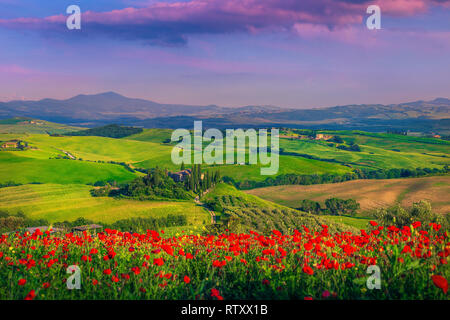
(370, 194)
(57, 203)
(63, 193)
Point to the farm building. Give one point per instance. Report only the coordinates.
(181, 175)
(14, 144)
(86, 228)
(52, 230)
(321, 136)
(9, 144)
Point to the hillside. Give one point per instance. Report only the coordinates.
(57, 203)
(22, 125)
(240, 212)
(108, 107)
(111, 131)
(370, 194)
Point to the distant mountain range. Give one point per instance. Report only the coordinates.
(110, 107)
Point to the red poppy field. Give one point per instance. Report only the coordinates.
(306, 264)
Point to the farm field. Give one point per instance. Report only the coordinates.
(371, 194)
(19, 169)
(147, 150)
(58, 203)
(379, 153)
(63, 193)
(24, 125)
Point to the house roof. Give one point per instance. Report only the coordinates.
(87, 227)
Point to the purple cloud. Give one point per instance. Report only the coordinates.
(172, 23)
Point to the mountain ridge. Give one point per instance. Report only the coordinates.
(111, 107)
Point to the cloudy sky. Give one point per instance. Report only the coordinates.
(289, 53)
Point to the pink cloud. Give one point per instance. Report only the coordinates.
(172, 23)
(13, 69)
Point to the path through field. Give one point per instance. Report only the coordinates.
(211, 213)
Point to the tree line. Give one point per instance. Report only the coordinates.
(295, 179)
(198, 182)
(333, 206)
(111, 131)
(19, 221)
(157, 184)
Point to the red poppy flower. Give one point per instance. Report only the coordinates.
(440, 282)
(216, 294)
(307, 269)
(416, 224)
(136, 270)
(373, 223)
(308, 246)
(158, 261)
(107, 271)
(186, 279)
(31, 295)
(22, 282)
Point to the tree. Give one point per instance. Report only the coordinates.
(337, 206)
(310, 206)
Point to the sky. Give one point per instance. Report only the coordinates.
(287, 53)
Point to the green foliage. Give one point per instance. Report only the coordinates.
(111, 131)
(141, 224)
(420, 211)
(9, 222)
(352, 147)
(293, 179)
(19, 221)
(240, 212)
(155, 185)
(335, 206)
(199, 181)
(9, 184)
(310, 206)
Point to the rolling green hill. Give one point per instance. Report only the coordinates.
(147, 150)
(241, 212)
(19, 169)
(56, 202)
(378, 152)
(370, 194)
(28, 125)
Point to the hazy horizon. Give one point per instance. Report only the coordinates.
(214, 104)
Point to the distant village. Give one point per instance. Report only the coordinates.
(14, 144)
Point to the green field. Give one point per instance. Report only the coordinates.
(27, 125)
(376, 153)
(19, 169)
(357, 222)
(56, 202)
(64, 195)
